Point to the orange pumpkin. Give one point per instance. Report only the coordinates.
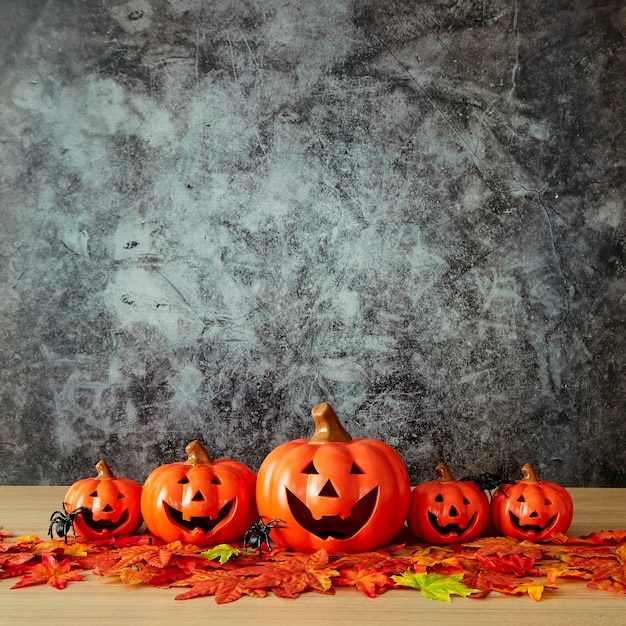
(199, 501)
(446, 510)
(113, 504)
(333, 491)
(531, 509)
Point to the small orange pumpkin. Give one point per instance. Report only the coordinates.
(531, 509)
(113, 504)
(332, 491)
(446, 511)
(199, 501)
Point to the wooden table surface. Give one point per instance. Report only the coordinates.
(95, 601)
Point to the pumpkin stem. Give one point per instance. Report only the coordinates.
(529, 474)
(103, 469)
(444, 475)
(327, 425)
(196, 453)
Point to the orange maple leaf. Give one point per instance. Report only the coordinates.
(4, 533)
(367, 581)
(49, 571)
(504, 546)
(152, 555)
(225, 586)
(305, 571)
(136, 575)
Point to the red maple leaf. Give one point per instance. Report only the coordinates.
(509, 564)
(50, 572)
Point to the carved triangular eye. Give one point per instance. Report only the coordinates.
(355, 469)
(310, 469)
(94, 494)
(183, 481)
(216, 481)
(521, 499)
(438, 498)
(120, 496)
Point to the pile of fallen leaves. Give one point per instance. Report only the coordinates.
(227, 572)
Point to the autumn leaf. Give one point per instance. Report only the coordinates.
(153, 555)
(30, 539)
(508, 564)
(367, 581)
(505, 546)
(4, 534)
(610, 583)
(533, 588)
(222, 551)
(556, 570)
(223, 585)
(435, 586)
(307, 571)
(294, 573)
(49, 571)
(137, 575)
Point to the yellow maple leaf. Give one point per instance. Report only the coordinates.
(533, 588)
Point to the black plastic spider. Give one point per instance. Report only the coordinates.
(259, 533)
(62, 522)
(488, 482)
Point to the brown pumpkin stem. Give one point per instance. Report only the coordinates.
(196, 453)
(327, 425)
(529, 474)
(444, 475)
(103, 469)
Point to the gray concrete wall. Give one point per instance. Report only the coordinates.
(217, 214)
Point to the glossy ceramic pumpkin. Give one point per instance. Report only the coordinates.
(446, 511)
(199, 501)
(333, 491)
(113, 504)
(531, 509)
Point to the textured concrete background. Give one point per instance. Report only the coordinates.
(217, 214)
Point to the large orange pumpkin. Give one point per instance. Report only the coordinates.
(446, 510)
(531, 509)
(199, 501)
(112, 504)
(333, 491)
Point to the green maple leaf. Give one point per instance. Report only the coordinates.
(435, 586)
(223, 551)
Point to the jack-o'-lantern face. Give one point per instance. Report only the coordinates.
(332, 491)
(531, 509)
(112, 505)
(199, 501)
(448, 511)
(338, 496)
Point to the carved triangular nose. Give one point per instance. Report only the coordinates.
(329, 490)
(198, 497)
(453, 511)
(107, 508)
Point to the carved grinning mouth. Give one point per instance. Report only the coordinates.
(333, 526)
(530, 527)
(448, 529)
(101, 525)
(203, 523)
